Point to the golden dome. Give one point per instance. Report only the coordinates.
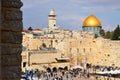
(91, 21)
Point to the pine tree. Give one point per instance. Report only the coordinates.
(111, 34)
(116, 34)
(108, 35)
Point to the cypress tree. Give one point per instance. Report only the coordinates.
(108, 35)
(116, 34)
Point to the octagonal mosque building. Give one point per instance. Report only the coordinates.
(92, 24)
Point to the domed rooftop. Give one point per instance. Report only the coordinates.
(52, 12)
(91, 21)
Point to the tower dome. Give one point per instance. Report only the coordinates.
(92, 24)
(52, 12)
(91, 21)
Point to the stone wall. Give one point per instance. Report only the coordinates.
(0, 40)
(11, 39)
(110, 51)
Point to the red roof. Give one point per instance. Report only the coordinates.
(25, 30)
(37, 29)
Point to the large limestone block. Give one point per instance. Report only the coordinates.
(11, 37)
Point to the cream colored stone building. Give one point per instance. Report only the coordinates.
(55, 47)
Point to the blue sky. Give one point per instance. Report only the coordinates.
(70, 13)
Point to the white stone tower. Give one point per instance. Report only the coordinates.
(52, 19)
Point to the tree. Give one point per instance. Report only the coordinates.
(102, 32)
(30, 28)
(116, 34)
(96, 35)
(108, 35)
(111, 34)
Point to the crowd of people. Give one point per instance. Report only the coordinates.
(59, 74)
(68, 74)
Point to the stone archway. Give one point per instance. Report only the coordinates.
(11, 39)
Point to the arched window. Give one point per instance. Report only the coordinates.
(90, 49)
(51, 42)
(90, 28)
(24, 64)
(84, 50)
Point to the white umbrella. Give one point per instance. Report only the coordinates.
(119, 71)
(111, 72)
(102, 72)
(115, 72)
(29, 68)
(75, 67)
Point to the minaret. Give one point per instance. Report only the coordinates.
(52, 19)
